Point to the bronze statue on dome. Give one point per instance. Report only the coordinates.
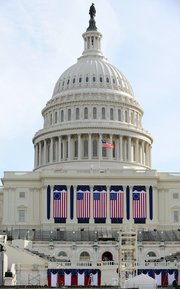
(92, 22)
(92, 11)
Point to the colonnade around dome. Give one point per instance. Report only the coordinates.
(88, 147)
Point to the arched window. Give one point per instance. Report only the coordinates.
(55, 117)
(126, 116)
(77, 113)
(132, 117)
(62, 256)
(111, 114)
(75, 148)
(151, 254)
(94, 112)
(51, 118)
(69, 114)
(119, 115)
(62, 115)
(103, 113)
(84, 256)
(95, 148)
(85, 113)
(85, 148)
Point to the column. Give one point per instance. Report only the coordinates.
(137, 150)
(51, 150)
(79, 146)
(90, 147)
(74, 205)
(111, 150)
(68, 204)
(149, 155)
(108, 220)
(64, 153)
(51, 211)
(131, 202)
(147, 203)
(91, 220)
(129, 150)
(59, 149)
(45, 153)
(100, 146)
(121, 147)
(35, 155)
(125, 149)
(143, 159)
(69, 147)
(40, 161)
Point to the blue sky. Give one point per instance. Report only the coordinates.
(41, 38)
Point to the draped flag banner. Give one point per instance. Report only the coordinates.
(99, 202)
(163, 277)
(73, 277)
(83, 202)
(139, 205)
(60, 201)
(116, 202)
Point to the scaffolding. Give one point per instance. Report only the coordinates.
(127, 255)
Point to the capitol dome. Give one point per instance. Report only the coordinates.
(92, 106)
(92, 71)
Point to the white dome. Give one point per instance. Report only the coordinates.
(92, 71)
(92, 103)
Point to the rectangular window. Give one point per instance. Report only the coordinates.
(22, 194)
(175, 196)
(22, 215)
(176, 216)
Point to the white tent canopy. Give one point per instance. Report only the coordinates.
(141, 281)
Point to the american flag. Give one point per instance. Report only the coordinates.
(116, 204)
(83, 204)
(99, 204)
(107, 144)
(60, 204)
(139, 204)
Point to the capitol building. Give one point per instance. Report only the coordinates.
(93, 211)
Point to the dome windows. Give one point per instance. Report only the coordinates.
(74, 80)
(94, 112)
(68, 82)
(77, 113)
(85, 113)
(103, 113)
(107, 79)
(101, 79)
(94, 78)
(87, 78)
(80, 79)
(69, 114)
(111, 114)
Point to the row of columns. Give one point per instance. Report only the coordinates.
(62, 148)
(108, 220)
